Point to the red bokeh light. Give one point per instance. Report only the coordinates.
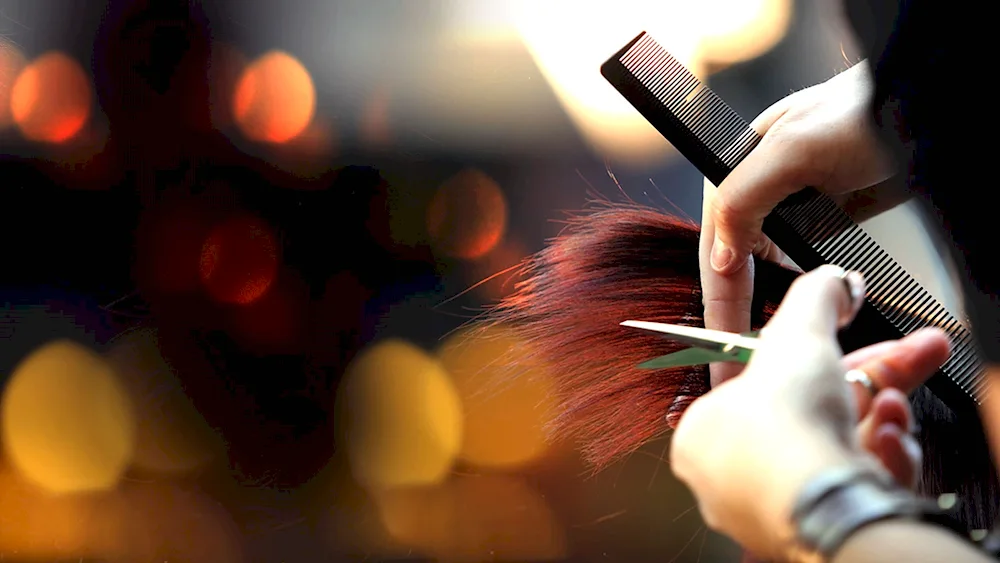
(239, 260)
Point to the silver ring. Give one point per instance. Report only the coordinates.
(858, 376)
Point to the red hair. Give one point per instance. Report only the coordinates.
(627, 261)
(616, 263)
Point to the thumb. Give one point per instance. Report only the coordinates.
(818, 304)
(782, 164)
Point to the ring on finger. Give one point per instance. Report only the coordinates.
(858, 376)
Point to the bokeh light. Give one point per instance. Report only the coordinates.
(171, 435)
(589, 33)
(738, 30)
(168, 522)
(274, 99)
(12, 62)
(239, 260)
(51, 99)
(505, 416)
(36, 525)
(468, 215)
(400, 416)
(67, 423)
(475, 518)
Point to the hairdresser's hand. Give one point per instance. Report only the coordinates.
(818, 137)
(748, 447)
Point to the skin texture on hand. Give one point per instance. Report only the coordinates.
(819, 137)
(791, 414)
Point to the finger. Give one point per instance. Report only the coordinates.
(727, 299)
(818, 304)
(899, 453)
(902, 364)
(782, 164)
(767, 250)
(886, 433)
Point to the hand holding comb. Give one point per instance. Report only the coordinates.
(808, 226)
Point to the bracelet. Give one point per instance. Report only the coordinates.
(838, 503)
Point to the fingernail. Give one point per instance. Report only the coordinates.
(856, 283)
(722, 255)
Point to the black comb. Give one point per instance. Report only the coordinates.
(808, 226)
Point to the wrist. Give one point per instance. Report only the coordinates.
(840, 503)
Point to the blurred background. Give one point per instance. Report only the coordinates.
(241, 240)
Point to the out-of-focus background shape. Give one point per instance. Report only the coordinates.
(243, 239)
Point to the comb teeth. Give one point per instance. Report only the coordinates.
(722, 131)
(808, 226)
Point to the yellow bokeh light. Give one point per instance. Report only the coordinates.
(504, 416)
(39, 526)
(740, 30)
(590, 32)
(400, 416)
(475, 518)
(570, 53)
(171, 435)
(67, 423)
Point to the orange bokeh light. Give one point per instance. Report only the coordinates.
(12, 62)
(468, 215)
(239, 260)
(51, 99)
(474, 518)
(274, 99)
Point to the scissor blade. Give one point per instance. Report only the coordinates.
(701, 337)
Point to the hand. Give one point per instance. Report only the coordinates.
(819, 137)
(747, 447)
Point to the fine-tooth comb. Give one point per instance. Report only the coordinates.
(808, 226)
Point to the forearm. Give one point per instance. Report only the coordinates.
(904, 540)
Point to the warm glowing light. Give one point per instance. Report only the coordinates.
(239, 260)
(67, 423)
(475, 518)
(166, 522)
(36, 525)
(275, 98)
(740, 30)
(504, 415)
(51, 99)
(468, 215)
(400, 416)
(12, 62)
(588, 33)
(171, 435)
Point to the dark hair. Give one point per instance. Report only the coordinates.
(627, 261)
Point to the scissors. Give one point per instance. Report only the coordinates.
(710, 345)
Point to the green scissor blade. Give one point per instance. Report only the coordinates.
(696, 357)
